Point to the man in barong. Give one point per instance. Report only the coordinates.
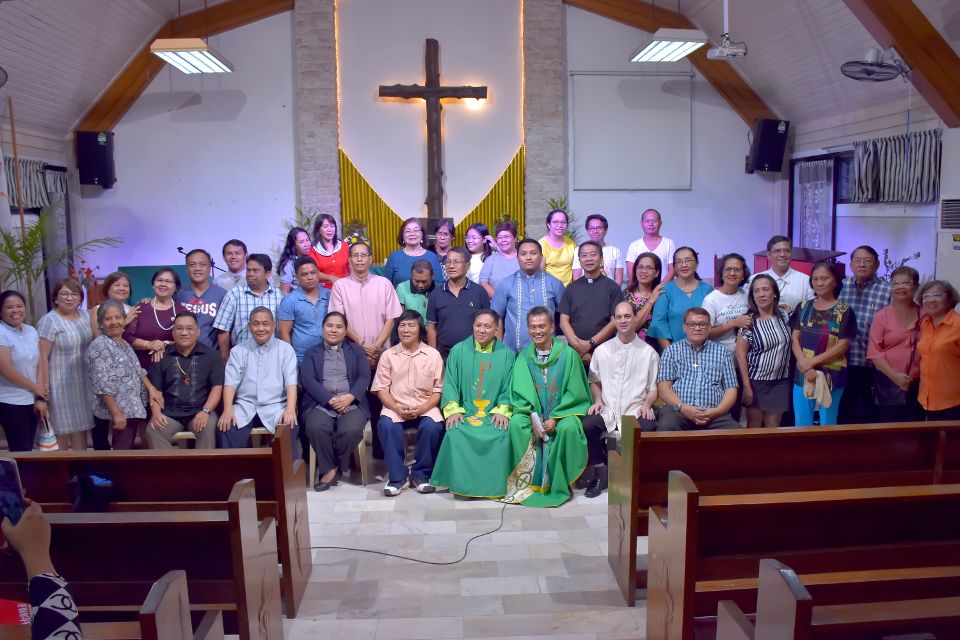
(474, 459)
(548, 394)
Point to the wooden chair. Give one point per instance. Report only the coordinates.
(856, 604)
(751, 460)
(704, 549)
(360, 452)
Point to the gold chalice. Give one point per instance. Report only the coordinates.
(481, 404)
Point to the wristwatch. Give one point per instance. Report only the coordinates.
(205, 410)
(678, 406)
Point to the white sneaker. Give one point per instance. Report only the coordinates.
(393, 489)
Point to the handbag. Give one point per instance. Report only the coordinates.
(46, 439)
(886, 393)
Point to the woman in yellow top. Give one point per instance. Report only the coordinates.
(558, 249)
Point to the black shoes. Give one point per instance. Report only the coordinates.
(599, 483)
(586, 478)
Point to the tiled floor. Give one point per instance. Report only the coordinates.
(543, 575)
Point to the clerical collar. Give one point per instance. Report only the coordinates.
(331, 347)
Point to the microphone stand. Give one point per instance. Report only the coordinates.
(212, 263)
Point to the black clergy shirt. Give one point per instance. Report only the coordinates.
(185, 381)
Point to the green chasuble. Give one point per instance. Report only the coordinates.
(543, 470)
(474, 459)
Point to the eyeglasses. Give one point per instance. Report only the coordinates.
(504, 237)
(69, 294)
(933, 295)
(733, 270)
(163, 281)
(354, 256)
(443, 234)
(685, 261)
(596, 228)
(697, 325)
(454, 263)
(862, 261)
(901, 283)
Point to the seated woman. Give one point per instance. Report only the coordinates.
(474, 459)
(152, 330)
(822, 330)
(892, 349)
(410, 238)
(558, 249)
(335, 376)
(684, 292)
(115, 286)
(331, 254)
(117, 379)
(297, 245)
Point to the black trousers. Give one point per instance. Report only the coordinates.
(856, 404)
(333, 438)
(20, 425)
(595, 429)
(953, 413)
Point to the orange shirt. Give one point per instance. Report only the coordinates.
(939, 350)
(410, 377)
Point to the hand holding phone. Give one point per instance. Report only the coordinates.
(12, 502)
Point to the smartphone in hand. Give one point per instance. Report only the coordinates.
(11, 491)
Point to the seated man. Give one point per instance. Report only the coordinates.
(408, 382)
(697, 382)
(190, 377)
(623, 381)
(474, 458)
(260, 385)
(549, 450)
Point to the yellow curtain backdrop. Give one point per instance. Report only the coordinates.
(359, 201)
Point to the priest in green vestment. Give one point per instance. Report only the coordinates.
(549, 394)
(474, 459)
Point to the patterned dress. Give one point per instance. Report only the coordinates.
(70, 408)
(115, 371)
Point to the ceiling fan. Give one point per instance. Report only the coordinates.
(3, 77)
(876, 66)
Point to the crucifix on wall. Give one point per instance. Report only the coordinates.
(433, 93)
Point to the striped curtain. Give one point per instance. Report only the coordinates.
(33, 184)
(903, 168)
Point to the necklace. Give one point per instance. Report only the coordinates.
(157, 318)
(186, 376)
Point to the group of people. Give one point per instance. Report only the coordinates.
(514, 359)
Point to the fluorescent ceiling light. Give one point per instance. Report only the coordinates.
(670, 45)
(190, 55)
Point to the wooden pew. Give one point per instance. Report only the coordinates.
(165, 615)
(180, 480)
(704, 549)
(112, 559)
(787, 610)
(751, 460)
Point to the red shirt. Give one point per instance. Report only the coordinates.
(332, 264)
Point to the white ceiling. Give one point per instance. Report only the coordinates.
(62, 54)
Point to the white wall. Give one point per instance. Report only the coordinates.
(903, 230)
(203, 159)
(382, 42)
(725, 209)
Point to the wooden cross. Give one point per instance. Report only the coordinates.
(433, 92)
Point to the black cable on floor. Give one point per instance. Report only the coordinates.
(393, 555)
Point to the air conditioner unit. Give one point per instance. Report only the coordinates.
(948, 239)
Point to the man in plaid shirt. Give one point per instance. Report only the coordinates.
(697, 381)
(233, 316)
(865, 293)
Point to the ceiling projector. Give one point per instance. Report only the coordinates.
(727, 50)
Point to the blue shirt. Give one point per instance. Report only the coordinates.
(307, 318)
(397, 268)
(865, 300)
(667, 321)
(24, 348)
(516, 295)
(205, 307)
(233, 315)
(699, 377)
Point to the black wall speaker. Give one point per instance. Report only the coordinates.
(95, 158)
(769, 143)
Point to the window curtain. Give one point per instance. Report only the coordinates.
(33, 184)
(904, 168)
(58, 220)
(815, 200)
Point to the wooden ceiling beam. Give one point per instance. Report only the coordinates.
(130, 83)
(935, 66)
(719, 73)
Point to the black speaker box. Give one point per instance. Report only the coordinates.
(95, 158)
(769, 143)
